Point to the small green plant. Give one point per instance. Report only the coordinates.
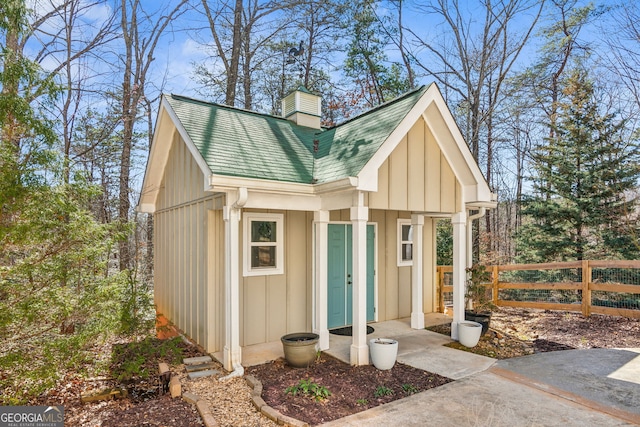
(309, 388)
(383, 391)
(362, 402)
(409, 388)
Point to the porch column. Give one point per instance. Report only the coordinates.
(459, 222)
(321, 266)
(232, 354)
(359, 347)
(417, 311)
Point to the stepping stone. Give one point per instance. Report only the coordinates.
(200, 367)
(200, 374)
(196, 360)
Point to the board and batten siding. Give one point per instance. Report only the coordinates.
(275, 305)
(393, 283)
(417, 177)
(188, 282)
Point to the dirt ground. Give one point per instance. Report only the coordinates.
(514, 332)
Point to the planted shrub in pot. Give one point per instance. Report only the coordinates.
(478, 296)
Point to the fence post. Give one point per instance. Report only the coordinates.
(440, 286)
(495, 284)
(586, 291)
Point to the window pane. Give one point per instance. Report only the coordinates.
(407, 232)
(263, 231)
(407, 251)
(263, 256)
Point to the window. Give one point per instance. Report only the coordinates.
(405, 242)
(263, 244)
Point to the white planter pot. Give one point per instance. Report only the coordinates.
(383, 352)
(469, 333)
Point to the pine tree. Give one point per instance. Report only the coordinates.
(366, 62)
(56, 296)
(590, 172)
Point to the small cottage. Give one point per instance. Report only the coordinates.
(270, 225)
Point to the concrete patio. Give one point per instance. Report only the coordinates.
(421, 349)
(596, 387)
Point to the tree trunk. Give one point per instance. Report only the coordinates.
(232, 77)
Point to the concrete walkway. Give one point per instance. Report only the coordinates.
(596, 387)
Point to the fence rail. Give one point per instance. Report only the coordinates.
(603, 287)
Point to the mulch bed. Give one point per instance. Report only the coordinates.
(161, 411)
(353, 388)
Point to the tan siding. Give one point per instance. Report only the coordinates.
(433, 185)
(429, 265)
(416, 176)
(254, 330)
(391, 278)
(298, 225)
(416, 168)
(394, 283)
(379, 217)
(404, 292)
(448, 185)
(215, 309)
(279, 304)
(398, 177)
(404, 273)
(182, 240)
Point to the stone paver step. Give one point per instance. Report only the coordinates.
(200, 374)
(196, 360)
(200, 367)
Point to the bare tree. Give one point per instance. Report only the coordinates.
(73, 43)
(623, 55)
(395, 30)
(240, 31)
(473, 62)
(140, 33)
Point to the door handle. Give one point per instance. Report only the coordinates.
(349, 282)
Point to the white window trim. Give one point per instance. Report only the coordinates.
(279, 244)
(401, 262)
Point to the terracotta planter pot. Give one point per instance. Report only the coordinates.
(300, 348)
(383, 352)
(469, 333)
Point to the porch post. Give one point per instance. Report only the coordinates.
(321, 265)
(417, 311)
(459, 221)
(232, 354)
(359, 347)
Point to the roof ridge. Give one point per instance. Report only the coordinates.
(228, 107)
(378, 107)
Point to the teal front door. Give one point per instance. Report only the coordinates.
(340, 275)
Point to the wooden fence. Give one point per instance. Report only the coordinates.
(604, 287)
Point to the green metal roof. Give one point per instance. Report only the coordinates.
(241, 143)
